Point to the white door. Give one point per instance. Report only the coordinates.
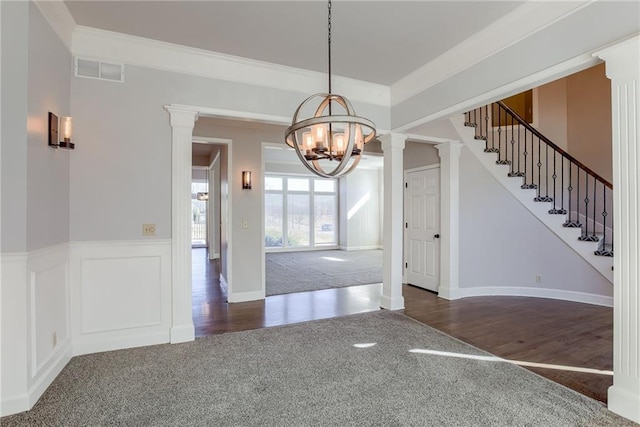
(422, 228)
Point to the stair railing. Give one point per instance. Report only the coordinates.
(574, 189)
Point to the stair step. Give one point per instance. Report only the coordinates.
(529, 186)
(606, 250)
(491, 150)
(557, 211)
(480, 137)
(469, 124)
(503, 162)
(543, 199)
(590, 238)
(572, 224)
(515, 174)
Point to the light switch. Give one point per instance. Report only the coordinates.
(148, 229)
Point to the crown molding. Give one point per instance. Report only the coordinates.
(59, 18)
(122, 48)
(513, 27)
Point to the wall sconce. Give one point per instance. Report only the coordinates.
(246, 180)
(66, 125)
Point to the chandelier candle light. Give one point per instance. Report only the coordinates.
(329, 145)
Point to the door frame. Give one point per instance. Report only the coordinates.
(405, 231)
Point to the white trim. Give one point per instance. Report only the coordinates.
(246, 296)
(47, 377)
(118, 243)
(14, 404)
(517, 291)
(215, 255)
(547, 75)
(119, 342)
(508, 30)
(181, 59)
(59, 18)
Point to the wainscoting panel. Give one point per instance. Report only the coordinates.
(49, 337)
(121, 294)
(13, 298)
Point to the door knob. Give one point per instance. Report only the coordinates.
(436, 236)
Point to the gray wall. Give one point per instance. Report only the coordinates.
(417, 154)
(503, 245)
(47, 168)
(15, 28)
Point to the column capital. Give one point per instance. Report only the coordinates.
(449, 149)
(392, 140)
(181, 116)
(621, 59)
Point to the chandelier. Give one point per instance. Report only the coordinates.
(329, 143)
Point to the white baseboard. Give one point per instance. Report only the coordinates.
(46, 378)
(389, 303)
(14, 404)
(360, 248)
(245, 296)
(214, 255)
(624, 403)
(182, 333)
(101, 343)
(453, 294)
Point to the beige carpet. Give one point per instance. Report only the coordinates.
(371, 369)
(289, 272)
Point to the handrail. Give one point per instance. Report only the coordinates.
(554, 146)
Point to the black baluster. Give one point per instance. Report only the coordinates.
(555, 209)
(571, 223)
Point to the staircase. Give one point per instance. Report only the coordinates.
(569, 198)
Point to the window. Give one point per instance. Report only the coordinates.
(300, 212)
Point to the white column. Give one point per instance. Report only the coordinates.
(449, 218)
(182, 122)
(623, 68)
(392, 146)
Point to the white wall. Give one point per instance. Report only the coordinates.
(360, 214)
(503, 246)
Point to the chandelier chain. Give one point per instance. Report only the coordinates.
(329, 41)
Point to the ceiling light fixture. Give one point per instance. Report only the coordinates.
(329, 145)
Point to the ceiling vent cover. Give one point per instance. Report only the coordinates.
(99, 70)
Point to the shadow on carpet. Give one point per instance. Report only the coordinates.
(321, 270)
(356, 370)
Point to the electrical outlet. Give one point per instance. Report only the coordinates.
(54, 339)
(148, 229)
(538, 279)
(245, 224)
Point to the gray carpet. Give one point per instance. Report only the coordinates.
(309, 374)
(289, 272)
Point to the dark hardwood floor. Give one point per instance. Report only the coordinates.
(557, 333)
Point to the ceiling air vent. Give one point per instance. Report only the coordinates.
(99, 70)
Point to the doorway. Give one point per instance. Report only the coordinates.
(422, 227)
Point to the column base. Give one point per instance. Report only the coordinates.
(183, 333)
(391, 303)
(624, 403)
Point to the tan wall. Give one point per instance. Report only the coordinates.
(552, 112)
(589, 119)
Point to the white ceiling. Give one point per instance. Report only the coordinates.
(374, 41)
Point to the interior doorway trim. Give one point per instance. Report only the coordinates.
(182, 119)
